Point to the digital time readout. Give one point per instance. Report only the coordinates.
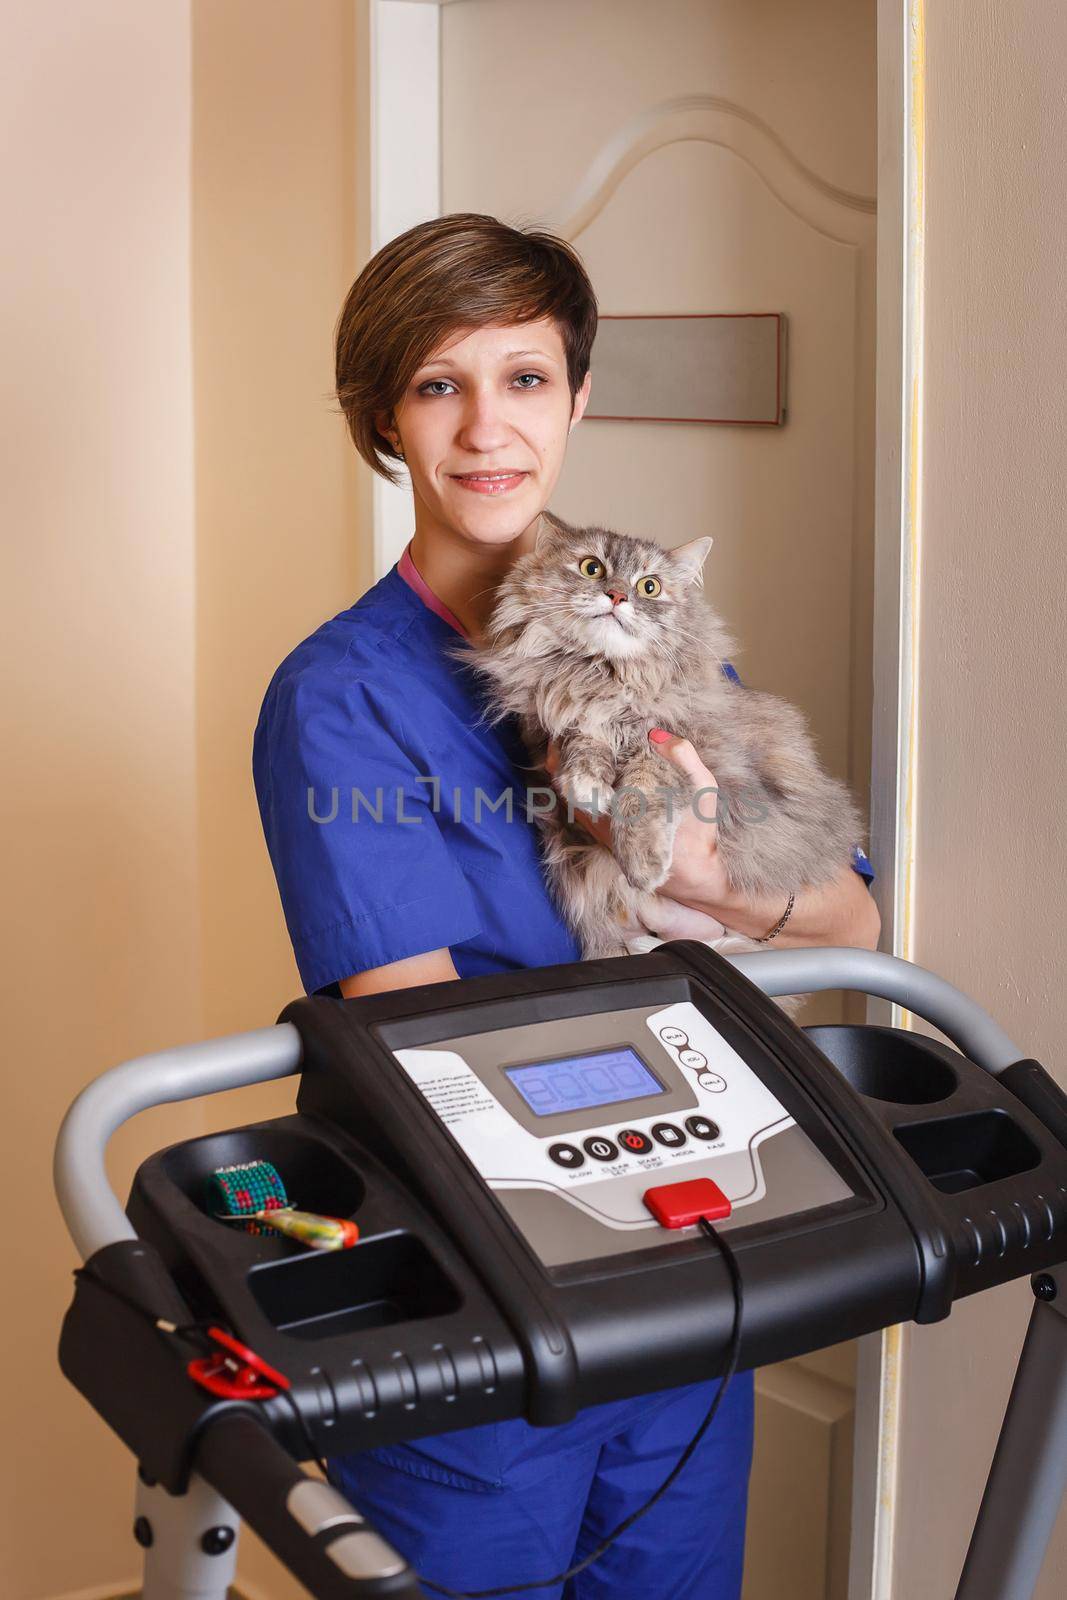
(577, 1082)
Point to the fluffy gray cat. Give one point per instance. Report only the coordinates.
(597, 637)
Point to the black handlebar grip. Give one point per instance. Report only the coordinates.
(1040, 1093)
(323, 1540)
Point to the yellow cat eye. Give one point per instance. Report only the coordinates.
(649, 586)
(590, 567)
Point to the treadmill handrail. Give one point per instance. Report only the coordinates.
(94, 1214)
(886, 977)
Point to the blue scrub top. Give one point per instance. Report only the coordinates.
(372, 703)
(384, 797)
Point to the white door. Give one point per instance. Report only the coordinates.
(718, 157)
(703, 156)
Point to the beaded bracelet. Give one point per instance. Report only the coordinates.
(780, 924)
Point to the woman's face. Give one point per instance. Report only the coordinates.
(487, 403)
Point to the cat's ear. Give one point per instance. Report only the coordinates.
(552, 533)
(689, 559)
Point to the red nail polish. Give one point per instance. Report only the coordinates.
(659, 735)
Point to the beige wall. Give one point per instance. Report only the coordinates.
(101, 938)
(153, 576)
(274, 252)
(993, 662)
(278, 544)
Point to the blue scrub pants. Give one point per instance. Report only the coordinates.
(508, 1503)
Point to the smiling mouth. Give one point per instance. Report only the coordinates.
(492, 485)
(487, 477)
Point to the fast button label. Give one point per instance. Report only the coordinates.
(702, 1127)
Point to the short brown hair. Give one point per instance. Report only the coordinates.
(453, 272)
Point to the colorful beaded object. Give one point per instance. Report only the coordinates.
(252, 1194)
(245, 1189)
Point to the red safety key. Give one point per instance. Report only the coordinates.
(235, 1372)
(679, 1205)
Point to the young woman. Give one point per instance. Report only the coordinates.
(463, 350)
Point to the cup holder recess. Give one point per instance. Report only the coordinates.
(888, 1063)
(386, 1279)
(963, 1152)
(315, 1176)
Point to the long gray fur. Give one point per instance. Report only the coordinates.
(595, 677)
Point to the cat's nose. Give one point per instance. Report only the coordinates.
(615, 595)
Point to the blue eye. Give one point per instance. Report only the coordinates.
(535, 375)
(427, 386)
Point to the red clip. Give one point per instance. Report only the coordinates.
(235, 1372)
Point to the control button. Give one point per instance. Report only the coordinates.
(599, 1148)
(712, 1081)
(702, 1127)
(692, 1058)
(667, 1133)
(638, 1144)
(674, 1036)
(565, 1155)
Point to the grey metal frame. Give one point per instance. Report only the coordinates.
(177, 1566)
(1028, 1477)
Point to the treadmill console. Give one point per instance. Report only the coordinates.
(496, 1142)
(569, 1122)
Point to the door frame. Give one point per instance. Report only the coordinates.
(397, 69)
(899, 381)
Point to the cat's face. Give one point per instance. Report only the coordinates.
(608, 594)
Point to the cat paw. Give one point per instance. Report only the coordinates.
(585, 792)
(645, 865)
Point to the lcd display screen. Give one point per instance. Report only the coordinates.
(576, 1082)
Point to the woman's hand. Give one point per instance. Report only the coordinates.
(696, 880)
(842, 912)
